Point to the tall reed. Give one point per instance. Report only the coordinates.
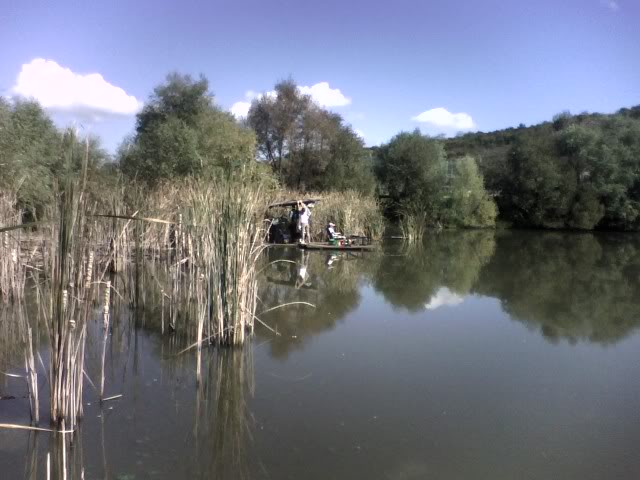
(413, 226)
(226, 237)
(68, 284)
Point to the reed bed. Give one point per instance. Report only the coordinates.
(63, 278)
(413, 226)
(68, 290)
(190, 248)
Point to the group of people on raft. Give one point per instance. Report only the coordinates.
(300, 217)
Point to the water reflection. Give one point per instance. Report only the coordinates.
(223, 424)
(330, 281)
(568, 286)
(578, 287)
(439, 272)
(373, 404)
(54, 456)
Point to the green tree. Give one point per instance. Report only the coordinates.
(577, 171)
(537, 190)
(33, 153)
(470, 204)
(181, 132)
(28, 150)
(411, 169)
(308, 147)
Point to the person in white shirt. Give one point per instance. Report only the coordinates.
(304, 214)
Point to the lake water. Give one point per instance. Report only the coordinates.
(509, 355)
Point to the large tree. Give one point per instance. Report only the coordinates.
(308, 147)
(412, 171)
(34, 153)
(426, 187)
(28, 141)
(180, 131)
(470, 205)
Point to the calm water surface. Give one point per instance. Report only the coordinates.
(513, 355)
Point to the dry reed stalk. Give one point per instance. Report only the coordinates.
(12, 267)
(12, 426)
(413, 224)
(32, 373)
(105, 337)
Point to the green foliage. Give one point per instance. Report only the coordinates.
(470, 204)
(412, 170)
(578, 171)
(309, 148)
(28, 144)
(33, 154)
(180, 132)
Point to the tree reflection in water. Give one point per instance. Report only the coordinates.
(411, 277)
(578, 287)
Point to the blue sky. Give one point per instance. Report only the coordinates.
(443, 66)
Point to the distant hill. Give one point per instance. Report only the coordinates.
(575, 171)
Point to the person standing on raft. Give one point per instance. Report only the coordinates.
(304, 213)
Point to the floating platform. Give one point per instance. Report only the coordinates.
(293, 244)
(328, 246)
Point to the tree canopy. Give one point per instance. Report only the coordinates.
(413, 170)
(180, 131)
(574, 171)
(308, 147)
(34, 153)
(577, 171)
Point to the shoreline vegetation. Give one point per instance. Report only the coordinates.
(178, 219)
(575, 172)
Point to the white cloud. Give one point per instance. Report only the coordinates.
(321, 93)
(442, 118)
(612, 5)
(59, 89)
(443, 297)
(240, 109)
(326, 96)
(359, 132)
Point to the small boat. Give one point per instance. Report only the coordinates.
(329, 246)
